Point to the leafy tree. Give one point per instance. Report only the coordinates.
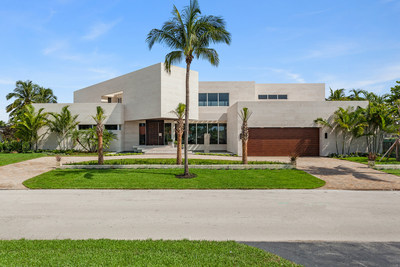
(28, 124)
(357, 94)
(99, 118)
(244, 115)
(2, 124)
(190, 35)
(26, 93)
(337, 95)
(180, 114)
(63, 124)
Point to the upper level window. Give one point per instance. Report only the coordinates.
(272, 97)
(112, 127)
(202, 99)
(213, 99)
(85, 126)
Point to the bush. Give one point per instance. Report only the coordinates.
(15, 146)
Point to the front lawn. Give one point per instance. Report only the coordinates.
(395, 172)
(364, 160)
(165, 179)
(133, 253)
(10, 158)
(170, 161)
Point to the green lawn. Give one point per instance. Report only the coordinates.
(395, 172)
(364, 160)
(165, 179)
(170, 161)
(133, 253)
(9, 158)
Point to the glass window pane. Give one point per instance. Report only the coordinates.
(201, 130)
(222, 133)
(272, 96)
(213, 99)
(111, 127)
(142, 133)
(224, 99)
(213, 131)
(167, 133)
(192, 134)
(202, 99)
(282, 96)
(85, 126)
(262, 97)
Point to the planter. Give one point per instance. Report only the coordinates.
(371, 163)
(293, 163)
(171, 144)
(58, 163)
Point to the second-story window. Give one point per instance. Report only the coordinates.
(213, 99)
(272, 97)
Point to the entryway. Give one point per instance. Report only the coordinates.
(154, 132)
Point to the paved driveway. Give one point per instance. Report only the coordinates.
(242, 215)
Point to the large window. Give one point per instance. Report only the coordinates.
(192, 134)
(111, 127)
(201, 130)
(213, 99)
(142, 133)
(217, 133)
(202, 100)
(213, 131)
(273, 97)
(222, 133)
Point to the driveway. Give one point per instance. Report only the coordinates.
(338, 174)
(242, 215)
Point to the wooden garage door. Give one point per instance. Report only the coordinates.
(283, 141)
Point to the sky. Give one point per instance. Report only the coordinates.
(67, 45)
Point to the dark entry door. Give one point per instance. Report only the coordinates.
(154, 132)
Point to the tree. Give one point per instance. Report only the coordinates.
(244, 115)
(189, 35)
(26, 93)
(28, 124)
(180, 114)
(63, 124)
(99, 118)
(44, 95)
(337, 95)
(88, 139)
(2, 124)
(357, 94)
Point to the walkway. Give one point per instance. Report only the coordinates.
(242, 215)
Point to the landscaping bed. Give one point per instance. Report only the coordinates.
(165, 179)
(171, 161)
(134, 253)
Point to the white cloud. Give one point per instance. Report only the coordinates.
(331, 51)
(99, 29)
(292, 76)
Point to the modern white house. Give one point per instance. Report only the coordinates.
(139, 106)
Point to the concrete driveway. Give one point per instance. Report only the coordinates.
(242, 215)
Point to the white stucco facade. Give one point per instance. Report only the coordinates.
(141, 104)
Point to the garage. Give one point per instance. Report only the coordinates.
(283, 141)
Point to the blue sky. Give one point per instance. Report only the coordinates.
(70, 44)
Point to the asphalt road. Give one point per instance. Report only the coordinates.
(335, 253)
(243, 215)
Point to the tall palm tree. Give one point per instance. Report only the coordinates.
(180, 114)
(28, 123)
(44, 95)
(24, 94)
(63, 124)
(357, 94)
(244, 115)
(189, 35)
(99, 118)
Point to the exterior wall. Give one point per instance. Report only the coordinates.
(289, 114)
(148, 93)
(295, 91)
(85, 111)
(131, 133)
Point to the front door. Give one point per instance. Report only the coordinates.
(154, 132)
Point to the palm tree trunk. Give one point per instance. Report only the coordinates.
(179, 149)
(244, 151)
(186, 171)
(100, 149)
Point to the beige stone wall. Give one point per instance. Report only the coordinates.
(295, 91)
(289, 114)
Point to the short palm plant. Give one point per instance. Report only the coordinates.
(63, 124)
(180, 114)
(99, 118)
(189, 35)
(244, 115)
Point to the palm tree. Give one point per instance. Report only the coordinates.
(189, 35)
(180, 114)
(337, 95)
(63, 124)
(24, 94)
(44, 95)
(28, 124)
(99, 118)
(356, 94)
(244, 115)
